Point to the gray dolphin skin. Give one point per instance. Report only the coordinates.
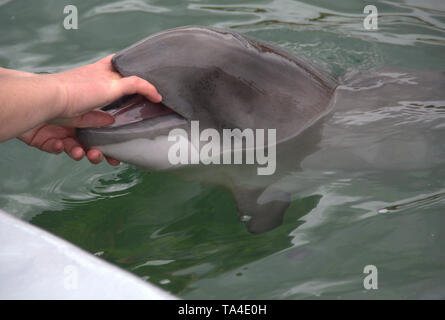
(224, 80)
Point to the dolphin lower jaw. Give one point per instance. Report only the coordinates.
(143, 143)
(149, 154)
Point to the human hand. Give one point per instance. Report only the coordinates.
(56, 104)
(56, 139)
(88, 87)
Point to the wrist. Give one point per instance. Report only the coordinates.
(60, 98)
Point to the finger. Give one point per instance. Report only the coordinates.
(112, 161)
(93, 118)
(95, 156)
(37, 137)
(77, 153)
(57, 146)
(73, 148)
(52, 145)
(133, 84)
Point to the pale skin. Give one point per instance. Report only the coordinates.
(44, 110)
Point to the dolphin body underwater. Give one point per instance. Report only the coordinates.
(230, 81)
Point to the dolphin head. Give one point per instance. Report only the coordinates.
(220, 78)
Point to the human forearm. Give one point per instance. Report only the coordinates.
(27, 100)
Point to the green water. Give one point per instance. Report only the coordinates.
(185, 236)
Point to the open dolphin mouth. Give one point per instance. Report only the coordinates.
(135, 117)
(135, 108)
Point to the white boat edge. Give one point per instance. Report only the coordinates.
(35, 264)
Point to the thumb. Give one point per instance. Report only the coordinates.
(93, 118)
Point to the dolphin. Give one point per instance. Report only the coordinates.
(224, 80)
(328, 130)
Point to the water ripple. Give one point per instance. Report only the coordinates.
(417, 202)
(125, 6)
(406, 112)
(303, 16)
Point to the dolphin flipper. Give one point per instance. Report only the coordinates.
(261, 209)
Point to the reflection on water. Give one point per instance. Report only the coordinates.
(424, 201)
(33, 182)
(384, 151)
